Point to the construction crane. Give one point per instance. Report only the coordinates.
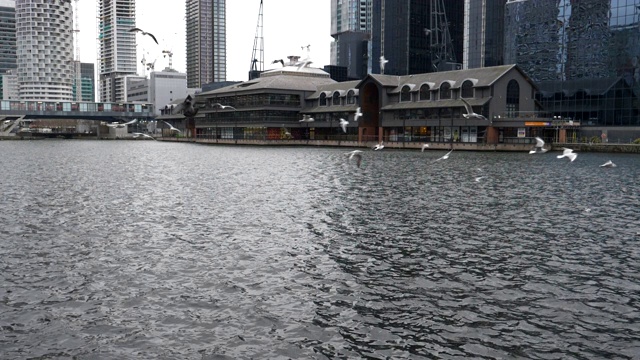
(168, 53)
(442, 56)
(76, 30)
(257, 57)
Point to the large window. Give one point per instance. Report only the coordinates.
(351, 99)
(323, 99)
(425, 92)
(513, 98)
(405, 93)
(445, 91)
(467, 89)
(335, 98)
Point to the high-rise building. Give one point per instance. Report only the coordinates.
(584, 56)
(117, 47)
(44, 47)
(87, 81)
(206, 46)
(351, 31)
(483, 33)
(7, 35)
(417, 36)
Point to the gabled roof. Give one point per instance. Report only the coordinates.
(483, 77)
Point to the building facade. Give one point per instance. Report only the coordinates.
(117, 47)
(7, 35)
(166, 87)
(206, 47)
(351, 22)
(87, 83)
(483, 33)
(44, 47)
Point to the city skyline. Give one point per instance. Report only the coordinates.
(242, 18)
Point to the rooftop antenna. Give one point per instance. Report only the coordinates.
(257, 57)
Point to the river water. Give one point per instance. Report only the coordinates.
(146, 249)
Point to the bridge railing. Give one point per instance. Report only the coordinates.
(73, 106)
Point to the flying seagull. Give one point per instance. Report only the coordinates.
(118, 125)
(470, 114)
(186, 108)
(539, 148)
(144, 33)
(608, 164)
(278, 61)
(171, 127)
(307, 118)
(343, 124)
(379, 146)
(218, 105)
(569, 154)
(357, 115)
(445, 157)
(355, 154)
(383, 62)
(424, 146)
(137, 135)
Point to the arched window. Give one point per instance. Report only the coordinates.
(335, 98)
(467, 89)
(351, 99)
(405, 93)
(323, 99)
(513, 98)
(425, 92)
(445, 91)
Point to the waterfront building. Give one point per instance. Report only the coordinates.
(206, 42)
(117, 47)
(44, 47)
(351, 22)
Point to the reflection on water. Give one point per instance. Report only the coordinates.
(144, 249)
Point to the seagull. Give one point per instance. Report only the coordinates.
(278, 61)
(608, 164)
(383, 62)
(357, 115)
(569, 154)
(343, 124)
(424, 146)
(445, 157)
(355, 154)
(379, 146)
(137, 135)
(118, 125)
(470, 114)
(223, 106)
(171, 127)
(307, 118)
(539, 148)
(144, 33)
(479, 178)
(186, 108)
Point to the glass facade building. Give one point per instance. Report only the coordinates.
(351, 31)
(584, 55)
(7, 35)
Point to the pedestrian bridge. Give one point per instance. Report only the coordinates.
(99, 111)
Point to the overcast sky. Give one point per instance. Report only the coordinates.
(287, 25)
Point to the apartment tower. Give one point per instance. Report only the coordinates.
(44, 46)
(117, 47)
(206, 42)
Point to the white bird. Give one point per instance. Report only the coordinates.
(357, 115)
(379, 146)
(307, 118)
(424, 146)
(479, 178)
(569, 154)
(470, 114)
(171, 127)
(118, 125)
(355, 154)
(539, 148)
(137, 135)
(144, 33)
(383, 62)
(608, 164)
(218, 105)
(343, 124)
(445, 157)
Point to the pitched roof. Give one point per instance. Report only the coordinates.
(330, 88)
(287, 81)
